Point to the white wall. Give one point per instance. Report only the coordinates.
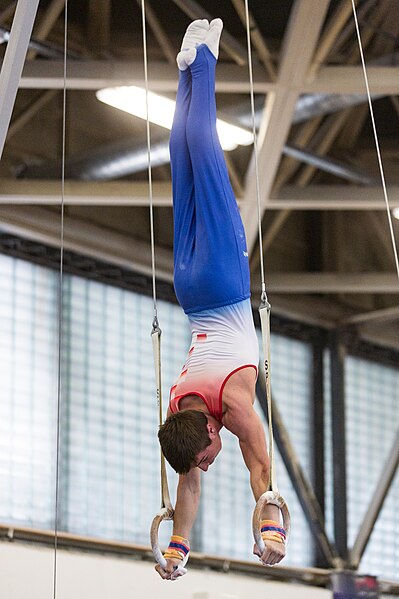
(27, 570)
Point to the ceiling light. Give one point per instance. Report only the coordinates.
(132, 99)
(395, 212)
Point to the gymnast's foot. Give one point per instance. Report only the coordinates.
(195, 35)
(213, 36)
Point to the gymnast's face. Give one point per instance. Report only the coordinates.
(206, 457)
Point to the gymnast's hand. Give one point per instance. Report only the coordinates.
(171, 572)
(273, 553)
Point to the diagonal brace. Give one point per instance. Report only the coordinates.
(377, 501)
(303, 488)
(14, 58)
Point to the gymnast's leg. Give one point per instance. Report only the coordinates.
(220, 270)
(182, 173)
(182, 186)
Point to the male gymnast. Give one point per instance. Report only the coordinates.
(216, 386)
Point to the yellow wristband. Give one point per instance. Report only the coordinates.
(179, 539)
(273, 537)
(272, 531)
(172, 555)
(178, 548)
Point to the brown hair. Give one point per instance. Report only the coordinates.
(182, 436)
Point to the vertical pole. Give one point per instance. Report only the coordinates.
(318, 434)
(339, 443)
(14, 58)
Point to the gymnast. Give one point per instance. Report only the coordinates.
(216, 386)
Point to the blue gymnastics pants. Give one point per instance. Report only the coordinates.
(210, 255)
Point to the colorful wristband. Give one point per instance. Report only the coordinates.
(272, 531)
(178, 548)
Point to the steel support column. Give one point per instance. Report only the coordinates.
(318, 432)
(338, 443)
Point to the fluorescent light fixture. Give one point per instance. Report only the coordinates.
(132, 99)
(395, 212)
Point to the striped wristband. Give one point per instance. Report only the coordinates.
(272, 531)
(178, 548)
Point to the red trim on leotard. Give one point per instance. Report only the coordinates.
(216, 414)
(225, 381)
(176, 400)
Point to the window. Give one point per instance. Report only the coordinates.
(28, 391)
(372, 422)
(291, 372)
(111, 417)
(109, 468)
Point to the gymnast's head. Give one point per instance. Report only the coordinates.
(189, 439)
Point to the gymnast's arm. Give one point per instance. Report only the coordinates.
(187, 502)
(242, 420)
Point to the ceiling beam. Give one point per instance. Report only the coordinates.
(350, 80)
(334, 27)
(379, 316)
(30, 111)
(326, 312)
(95, 74)
(82, 236)
(288, 167)
(45, 23)
(378, 228)
(159, 33)
(348, 31)
(300, 39)
(11, 68)
(331, 282)
(257, 38)
(338, 197)
(83, 193)
(231, 78)
(326, 132)
(124, 193)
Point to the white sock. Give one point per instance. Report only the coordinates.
(194, 36)
(213, 36)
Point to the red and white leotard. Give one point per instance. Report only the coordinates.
(223, 341)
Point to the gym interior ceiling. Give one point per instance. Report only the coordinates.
(328, 253)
